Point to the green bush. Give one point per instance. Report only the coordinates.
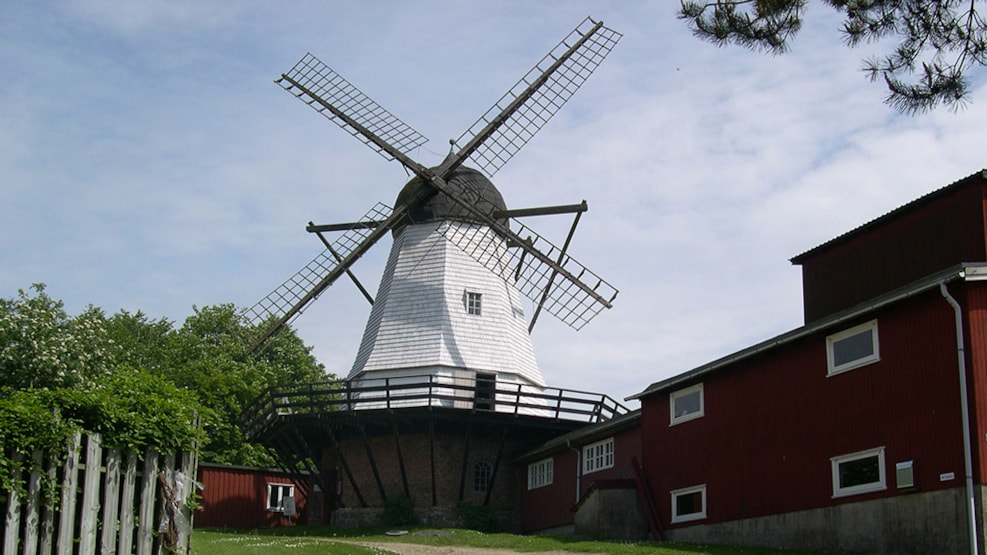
(479, 518)
(399, 511)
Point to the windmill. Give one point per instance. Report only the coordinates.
(447, 310)
(455, 198)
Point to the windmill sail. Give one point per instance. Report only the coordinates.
(291, 297)
(571, 303)
(514, 119)
(329, 94)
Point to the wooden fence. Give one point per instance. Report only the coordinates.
(108, 502)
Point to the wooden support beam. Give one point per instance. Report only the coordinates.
(496, 466)
(346, 467)
(431, 454)
(397, 447)
(373, 463)
(466, 458)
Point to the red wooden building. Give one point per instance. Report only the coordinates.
(250, 497)
(864, 429)
(584, 482)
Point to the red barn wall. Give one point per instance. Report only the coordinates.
(974, 297)
(551, 506)
(773, 422)
(236, 497)
(917, 242)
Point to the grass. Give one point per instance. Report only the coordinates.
(312, 540)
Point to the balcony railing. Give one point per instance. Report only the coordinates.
(426, 391)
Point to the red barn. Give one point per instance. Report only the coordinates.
(864, 429)
(250, 497)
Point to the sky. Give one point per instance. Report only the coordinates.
(148, 161)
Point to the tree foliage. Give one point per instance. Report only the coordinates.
(43, 348)
(938, 41)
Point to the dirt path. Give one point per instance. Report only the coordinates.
(417, 549)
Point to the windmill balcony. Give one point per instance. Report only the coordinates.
(316, 400)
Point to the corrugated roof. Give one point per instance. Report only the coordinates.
(981, 175)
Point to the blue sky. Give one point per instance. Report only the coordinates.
(149, 163)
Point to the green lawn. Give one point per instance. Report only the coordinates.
(312, 540)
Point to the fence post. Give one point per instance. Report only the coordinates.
(90, 495)
(12, 522)
(65, 542)
(111, 503)
(127, 499)
(31, 521)
(145, 520)
(45, 545)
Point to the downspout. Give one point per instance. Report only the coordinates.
(971, 507)
(579, 468)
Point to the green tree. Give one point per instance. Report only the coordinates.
(41, 346)
(938, 41)
(208, 355)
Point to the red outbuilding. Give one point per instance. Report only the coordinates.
(864, 429)
(248, 497)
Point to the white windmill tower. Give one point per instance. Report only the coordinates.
(441, 317)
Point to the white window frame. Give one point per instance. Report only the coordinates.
(880, 485)
(283, 491)
(598, 456)
(474, 303)
(672, 397)
(832, 368)
(541, 473)
(689, 517)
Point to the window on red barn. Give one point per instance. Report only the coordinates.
(540, 473)
(686, 404)
(852, 348)
(860, 472)
(277, 493)
(598, 456)
(689, 503)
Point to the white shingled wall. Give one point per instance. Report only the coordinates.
(419, 323)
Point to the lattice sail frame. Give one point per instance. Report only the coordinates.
(286, 296)
(521, 126)
(562, 298)
(328, 85)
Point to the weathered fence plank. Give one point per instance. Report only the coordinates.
(127, 496)
(90, 495)
(32, 522)
(12, 521)
(145, 518)
(111, 503)
(46, 543)
(66, 515)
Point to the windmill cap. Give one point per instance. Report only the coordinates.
(468, 184)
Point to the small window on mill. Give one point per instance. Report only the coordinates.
(482, 476)
(473, 303)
